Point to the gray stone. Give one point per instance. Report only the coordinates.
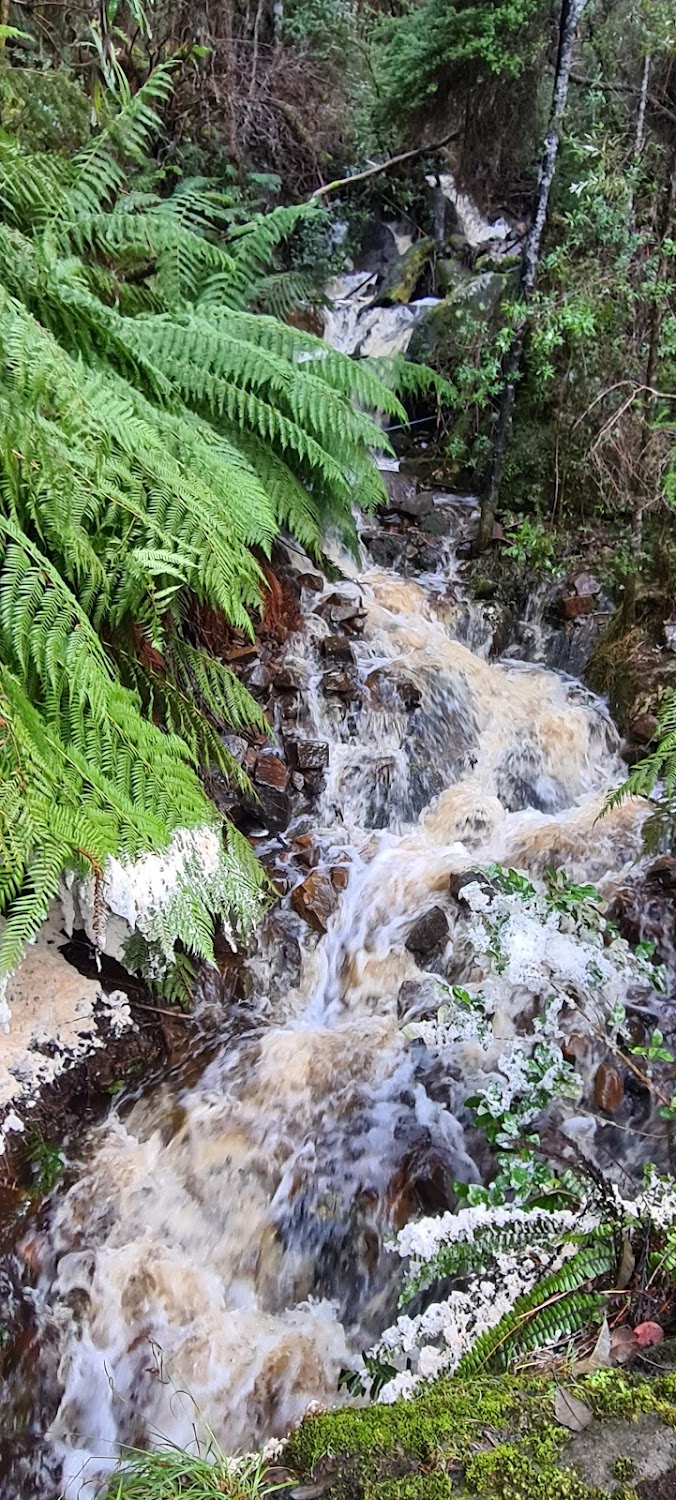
(472, 306)
(307, 755)
(400, 487)
(648, 1442)
(415, 503)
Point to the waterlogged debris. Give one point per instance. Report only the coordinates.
(623, 1345)
(627, 1265)
(600, 1357)
(571, 1412)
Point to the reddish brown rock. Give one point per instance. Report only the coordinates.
(340, 876)
(342, 684)
(576, 604)
(576, 1047)
(315, 900)
(271, 771)
(608, 1088)
(307, 755)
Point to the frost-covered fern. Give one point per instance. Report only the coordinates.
(155, 436)
(510, 1281)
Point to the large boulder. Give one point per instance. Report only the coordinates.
(473, 304)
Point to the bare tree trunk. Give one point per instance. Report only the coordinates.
(571, 11)
(641, 496)
(639, 137)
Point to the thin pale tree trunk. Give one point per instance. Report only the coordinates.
(571, 11)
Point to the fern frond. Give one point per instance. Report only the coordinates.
(555, 1308)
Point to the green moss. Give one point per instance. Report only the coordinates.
(421, 1486)
(623, 1467)
(492, 1437)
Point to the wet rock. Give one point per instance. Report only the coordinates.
(385, 550)
(429, 933)
(305, 849)
(574, 605)
(259, 677)
(314, 582)
(287, 679)
(341, 683)
(273, 808)
(402, 279)
(576, 1047)
(586, 584)
(343, 613)
(236, 746)
(271, 771)
(315, 900)
(670, 635)
(608, 1088)
(386, 691)
(436, 524)
(570, 648)
(450, 273)
(340, 876)
(474, 302)
(307, 755)
(337, 648)
(401, 488)
(422, 555)
(458, 879)
(412, 502)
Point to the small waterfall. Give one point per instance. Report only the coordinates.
(223, 1253)
(353, 325)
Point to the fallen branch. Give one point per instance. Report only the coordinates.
(383, 166)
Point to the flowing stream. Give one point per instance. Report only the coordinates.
(222, 1254)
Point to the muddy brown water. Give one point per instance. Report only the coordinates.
(222, 1253)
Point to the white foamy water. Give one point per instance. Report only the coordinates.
(222, 1255)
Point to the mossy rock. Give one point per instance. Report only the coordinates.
(451, 274)
(403, 277)
(473, 306)
(493, 1437)
(635, 674)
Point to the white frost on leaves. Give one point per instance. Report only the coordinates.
(164, 897)
(434, 1342)
(419, 1242)
(10, 1125)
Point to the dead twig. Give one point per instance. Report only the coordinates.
(383, 166)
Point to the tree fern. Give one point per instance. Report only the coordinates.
(658, 769)
(155, 436)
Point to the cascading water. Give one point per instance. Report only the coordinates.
(222, 1255)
